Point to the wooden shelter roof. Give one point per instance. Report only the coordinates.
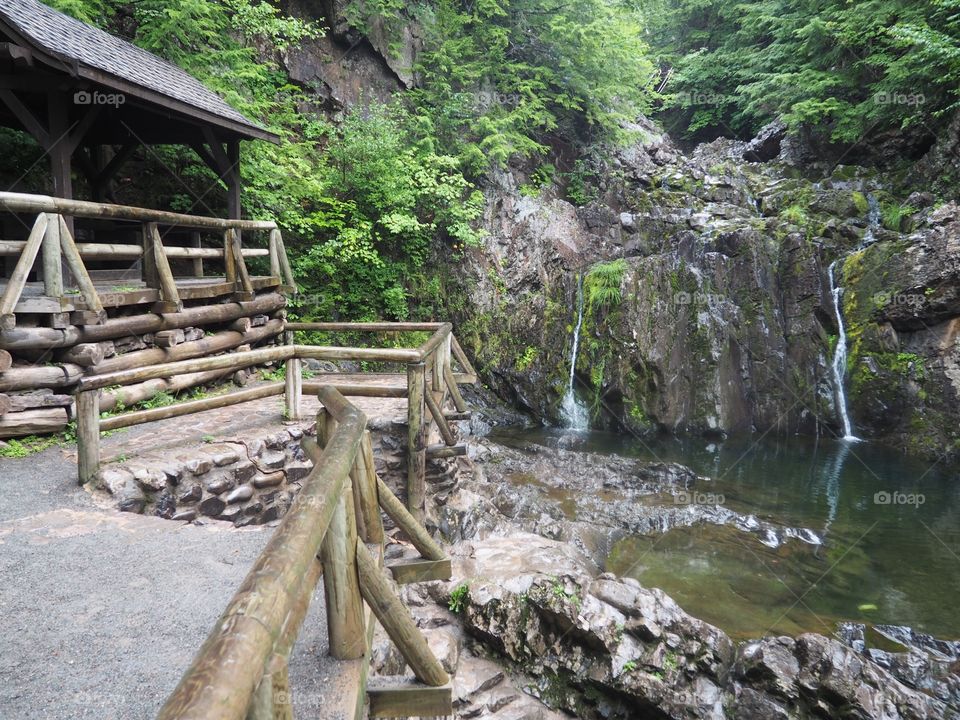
(64, 45)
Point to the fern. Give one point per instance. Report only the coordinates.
(602, 284)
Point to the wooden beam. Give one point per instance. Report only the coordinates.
(365, 488)
(414, 571)
(234, 361)
(404, 698)
(33, 422)
(153, 249)
(80, 128)
(18, 278)
(30, 121)
(191, 407)
(80, 274)
(109, 170)
(416, 439)
(445, 432)
(435, 452)
(45, 338)
(419, 537)
(393, 615)
(454, 389)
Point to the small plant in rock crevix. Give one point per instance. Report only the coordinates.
(629, 666)
(458, 598)
(601, 284)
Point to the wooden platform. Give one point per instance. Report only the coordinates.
(122, 294)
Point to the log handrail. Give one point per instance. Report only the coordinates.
(27, 203)
(430, 381)
(225, 673)
(235, 672)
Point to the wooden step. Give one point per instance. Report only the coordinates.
(411, 571)
(392, 697)
(445, 451)
(458, 415)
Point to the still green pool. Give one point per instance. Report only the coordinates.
(889, 524)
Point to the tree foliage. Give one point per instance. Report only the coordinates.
(499, 78)
(848, 68)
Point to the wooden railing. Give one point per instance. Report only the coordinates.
(242, 669)
(430, 381)
(51, 238)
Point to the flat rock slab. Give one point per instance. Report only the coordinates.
(153, 444)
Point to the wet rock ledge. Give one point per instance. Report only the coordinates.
(534, 629)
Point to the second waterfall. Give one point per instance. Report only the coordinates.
(839, 364)
(575, 414)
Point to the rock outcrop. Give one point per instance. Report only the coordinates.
(717, 316)
(598, 646)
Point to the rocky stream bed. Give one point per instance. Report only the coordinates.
(535, 628)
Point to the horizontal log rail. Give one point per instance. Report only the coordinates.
(241, 671)
(26, 203)
(120, 251)
(60, 259)
(429, 382)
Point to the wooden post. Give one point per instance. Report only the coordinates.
(79, 271)
(18, 278)
(293, 383)
(274, 249)
(344, 607)
(156, 260)
(229, 259)
(368, 497)
(88, 435)
(416, 439)
(380, 595)
(455, 394)
(418, 534)
(438, 417)
(345, 626)
(197, 262)
(52, 267)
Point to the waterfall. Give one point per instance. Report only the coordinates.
(873, 220)
(574, 412)
(840, 359)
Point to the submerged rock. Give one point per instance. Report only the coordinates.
(606, 647)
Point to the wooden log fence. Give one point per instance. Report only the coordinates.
(241, 670)
(128, 383)
(51, 241)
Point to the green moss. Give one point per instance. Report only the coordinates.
(526, 359)
(860, 202)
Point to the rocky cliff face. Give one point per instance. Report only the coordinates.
(720, 319)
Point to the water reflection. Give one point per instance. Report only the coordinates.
(891, 551)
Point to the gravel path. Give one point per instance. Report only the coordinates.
(100, 611)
